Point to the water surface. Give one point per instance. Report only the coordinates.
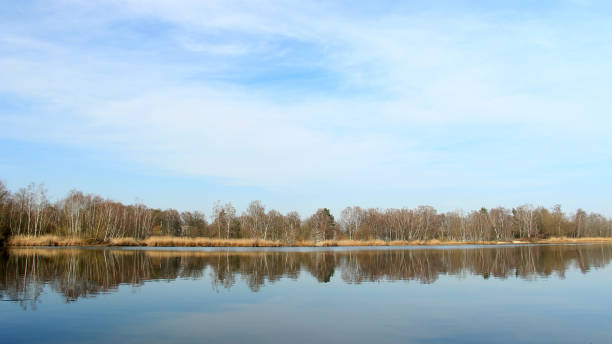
(539, 293)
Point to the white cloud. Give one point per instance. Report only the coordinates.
(402, 82)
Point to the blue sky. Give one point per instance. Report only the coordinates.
(456, 104)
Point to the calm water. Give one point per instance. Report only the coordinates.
(555, 294)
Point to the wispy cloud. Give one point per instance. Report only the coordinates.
(293, 93)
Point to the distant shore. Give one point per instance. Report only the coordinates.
(168, 241)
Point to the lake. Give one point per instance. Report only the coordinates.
(468, 294)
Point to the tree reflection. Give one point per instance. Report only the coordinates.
(77, 273)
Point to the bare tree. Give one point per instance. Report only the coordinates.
(351, 219)
(29, 212)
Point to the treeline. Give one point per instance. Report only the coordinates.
(28, 211)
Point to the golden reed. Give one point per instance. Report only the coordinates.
(170, 241)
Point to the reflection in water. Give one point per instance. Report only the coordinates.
(76, 273)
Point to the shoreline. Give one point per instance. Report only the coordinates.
(165, 241)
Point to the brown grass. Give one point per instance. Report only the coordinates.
(125, 242)
(565, 240)
(46, 240)
(169, 241)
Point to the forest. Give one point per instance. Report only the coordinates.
(29, 212)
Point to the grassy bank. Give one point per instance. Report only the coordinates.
(168, 241)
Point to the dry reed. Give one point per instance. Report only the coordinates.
(170, 241)
(46, 240)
